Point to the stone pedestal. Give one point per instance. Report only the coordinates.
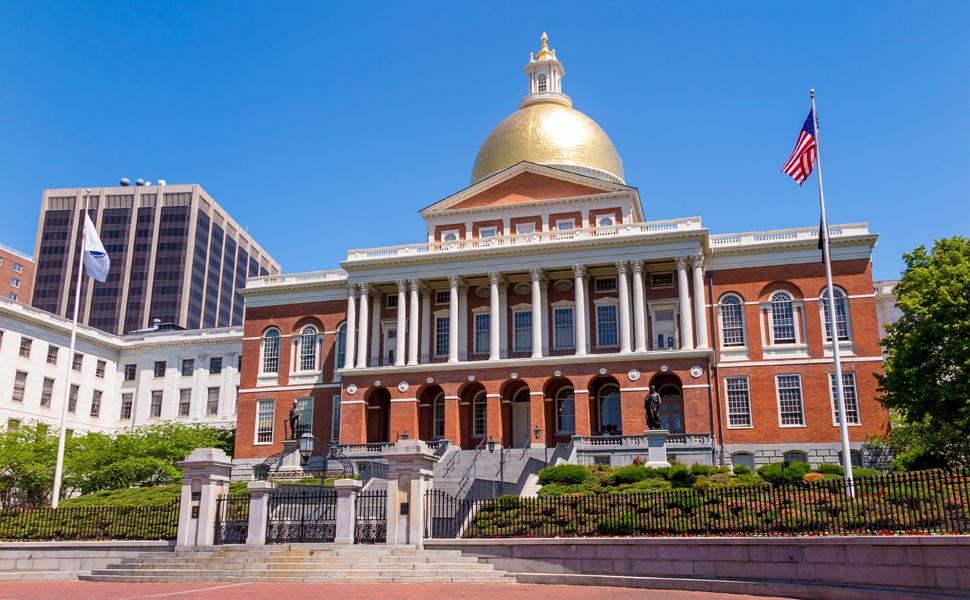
(259, 492)
(206, 479)
(291, 456)
(410, 474)
(657, 447)
(347, 490)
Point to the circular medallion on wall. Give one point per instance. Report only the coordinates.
(430, 379)
(403, 386)
(602, 370)
(633, 374)
(514, 375)
(696, 371)
(471, 378)
(352, 389)
(522, 289)
(562, 285)
(664, 368)
(482, 291)
(377, 383)
(557, 373)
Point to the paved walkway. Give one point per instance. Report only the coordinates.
(84, 590)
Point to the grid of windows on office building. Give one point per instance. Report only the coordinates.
(170, 262)
(51, 268)
(212, 280)
(228, 271)
(237, 305)
(106, 302)
(138, 277)
(197, 288)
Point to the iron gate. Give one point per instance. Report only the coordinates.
(232, 519)
(371, 526)
(302, 514)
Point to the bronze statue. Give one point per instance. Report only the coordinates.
(653, 409)
(294, 418)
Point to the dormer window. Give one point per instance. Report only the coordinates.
(605, 221)
(565, 224)
(449, 236)
(543, 85)
(488, 232)
(525, 228)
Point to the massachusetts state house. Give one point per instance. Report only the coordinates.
(543, 303)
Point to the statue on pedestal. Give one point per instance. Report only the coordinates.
(653, 409)
(294, 418)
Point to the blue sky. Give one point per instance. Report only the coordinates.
(327, 126)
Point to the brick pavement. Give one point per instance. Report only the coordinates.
(81, 590)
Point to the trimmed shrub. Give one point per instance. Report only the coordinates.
(630, 474)
(565, 474)
(830, 469)
(742, 470)
(863, 472)
(779, 474)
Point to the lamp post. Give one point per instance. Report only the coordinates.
(501, 462)
(307, 443)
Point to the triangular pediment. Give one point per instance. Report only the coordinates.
(524, 182)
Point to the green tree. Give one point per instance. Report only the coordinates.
(27, 457)
(927, 370)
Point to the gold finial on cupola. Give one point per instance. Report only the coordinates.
(545, 53)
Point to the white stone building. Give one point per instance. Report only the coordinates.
(188, 376)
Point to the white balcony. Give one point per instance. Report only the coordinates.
(296, 278)
(757, 238)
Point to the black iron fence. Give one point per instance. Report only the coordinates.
(302, 514)
(159, 522)
(232, 519)
(371, 525)
(921, 502)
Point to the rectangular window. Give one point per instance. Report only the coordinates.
(604, 284)
(662, 280)
(212, 402)
(17, 267)
(25, 343)
(849, 397)
(442, 297)
(12, 296)
(606, 330)
(305, 424)
(156, 407)
(188, 367)
(480, 419)
(441, 335)
(523, 228)
(482, 333)
(438, 417)
(95, 403)
(14, 282)
(215, 365)
(185, 402)
(265, 411)
(99, 369)
(19, 385)
(562, 321)
(391, 300)
(78, 361)
(565, 224)
(126, 402)
(159, 368)
(130, 372)
(738, 402)
(46, 392)
(790, 410)
(72, 399)
(335, 420)
(488, 232)
(52, 351)
(522, 330)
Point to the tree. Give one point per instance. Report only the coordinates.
(926, 377)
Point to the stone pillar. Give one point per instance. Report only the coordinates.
(537, 277)
(259, 492)
(347, 490)
(579, 311)
(581, 412)
(537, 416)
(503, 326)
(544, 295)
(376, 331)
(427, 326)
(700, 315)
(403, 418)
(350, 332)
(291, 461)
(463, 322)
(206, 479)
(453, 282)
(623, 287)
(414, 325)
(639, 308)
(410, 475)
(494, 320)
(402, 322)
(686, 330)
(493, 418)
(362, 331)
(657, 448)
(453, 420)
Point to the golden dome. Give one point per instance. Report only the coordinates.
(549, 133)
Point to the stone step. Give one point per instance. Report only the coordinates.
(324, 565)
(282, 579)
(321, 559)
(310, 571)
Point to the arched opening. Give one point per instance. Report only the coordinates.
(427, 400)
(605, 393)
(467, 396)
(672, 402)
(520, 418)
(378, 415)
(560, 412)
(270, 350)
(508, 392)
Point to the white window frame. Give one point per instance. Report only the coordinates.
(208, 401)
(609, 218)
(213, 361)
(570, 224)
(801, 400)
(17, 267)
(742, 453)
(598, 281)
(657, 286)
(442, 297)
(558, 406)
(306, 408)
(53, 352)
(72, 395)
(185, 401)
(456, 233)
(557, 343)
(855, 397)
(653, 308)
(515, 328)
(272, 421)
(801, 452)
(340, 346)
(159, 363)
(335, 419)
(96, 398)
(481, 337)
(308, 333)
(770, 325)
(14, 282)
(743, 323)
(479, 402)
(190, 364)
(438, 416)
(607, 302)
(441, 340)
(263, 358)
(127, 404)
(488, 232)
(161, 404)
(748, 414)
(46, 392)
(525, 228)
(823, 309)
(26, 344)
(542, 83)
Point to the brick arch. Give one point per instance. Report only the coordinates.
(551, 389)
(671, 389)
(307, 320)
(775, 286)
(426, 396)
(377, 403)
(466, 398)
(595, 385)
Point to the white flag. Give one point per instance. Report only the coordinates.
(96, 260)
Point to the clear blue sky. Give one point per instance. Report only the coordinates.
(327, 126)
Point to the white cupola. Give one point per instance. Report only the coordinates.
(545, 77)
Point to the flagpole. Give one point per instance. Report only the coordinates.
(833, 330)
(62, 436)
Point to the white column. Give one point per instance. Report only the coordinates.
(350, 332)
(579, 312)
(686, 331)
(362, 331)
(428, 325)
(537, 278)
(700, 315)
(544, 293)
(494, 320)
(453, 282)
(414, 326)
(623, 287)
(462, 322)
(639, 315)
(376, 331)
(503, 326)
(402, 322)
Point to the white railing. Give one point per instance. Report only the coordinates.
(639, 441)
(524, 239)
(752, 238)
(373, 448)
(293, 278)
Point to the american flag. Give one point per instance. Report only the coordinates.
(799, 164)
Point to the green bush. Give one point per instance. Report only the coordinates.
(830, 469)
(145, 496)
(742, 470)
(566, 474)
(779, 474)
(699, 470)
(630, 474)
(507, 502)
(681, 476)
(624, 523)
(863, 472)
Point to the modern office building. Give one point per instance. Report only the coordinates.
(16, 274)
(176, 256)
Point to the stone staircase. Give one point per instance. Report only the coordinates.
(463, 467)
(304, 563)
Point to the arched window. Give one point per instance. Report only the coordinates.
(271, 351)
(308, 348)
(341, 353)
(565, 411)
(796, 456)
(743, 458)
(782, 318)
(609, 405)
(841, 315)
(732, 320)
(479, 414)
(438, 416)
(672, 408)
(543, 83)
